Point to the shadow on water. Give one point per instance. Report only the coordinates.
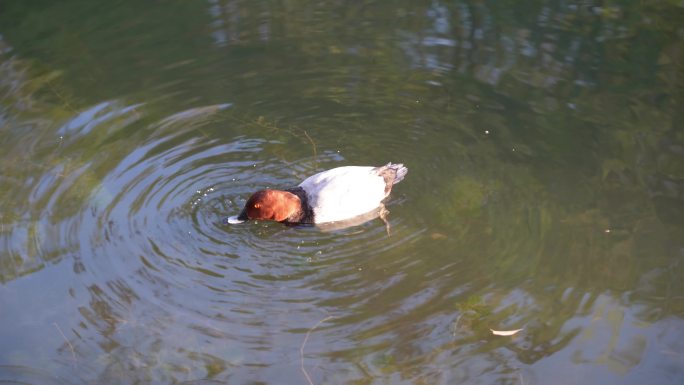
(545, 193)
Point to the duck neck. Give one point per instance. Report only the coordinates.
(306, 214)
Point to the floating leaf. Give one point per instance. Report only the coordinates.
(505, 332)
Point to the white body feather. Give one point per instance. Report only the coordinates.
(344, 192)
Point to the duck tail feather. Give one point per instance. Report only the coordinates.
(393, 173)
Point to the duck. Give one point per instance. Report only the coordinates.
(333, 195)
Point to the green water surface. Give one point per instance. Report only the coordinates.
(545, 148)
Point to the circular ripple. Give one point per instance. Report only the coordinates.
(153, 231)
(157, 269)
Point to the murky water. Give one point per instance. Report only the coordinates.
(545, 192)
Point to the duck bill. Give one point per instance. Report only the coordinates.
(240, 218)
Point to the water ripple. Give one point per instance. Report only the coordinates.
(144, 228)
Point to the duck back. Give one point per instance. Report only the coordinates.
(345, 192)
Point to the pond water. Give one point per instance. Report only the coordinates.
(545, 148)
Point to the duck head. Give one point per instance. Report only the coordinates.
(271, 205)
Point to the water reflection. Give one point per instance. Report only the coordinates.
(546, 195)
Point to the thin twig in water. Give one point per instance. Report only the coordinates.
(522, 382)
(301, 349)
(71, 347)
(66, 102)
(458, 319)
(313, 145)
(273, 126)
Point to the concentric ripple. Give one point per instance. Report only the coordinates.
(159, 271)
